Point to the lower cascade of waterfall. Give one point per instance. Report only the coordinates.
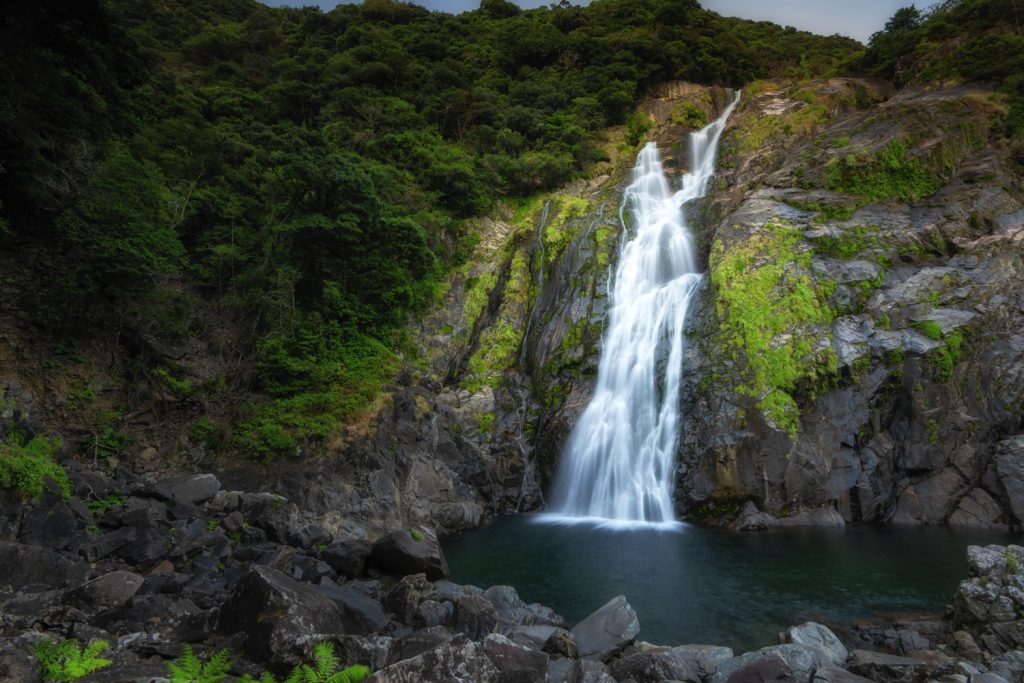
(618, 464)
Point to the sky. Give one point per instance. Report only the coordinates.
(855, 18)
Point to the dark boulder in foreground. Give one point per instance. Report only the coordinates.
(607, 630)
(275, 613)
(413, 551)
(495, 659)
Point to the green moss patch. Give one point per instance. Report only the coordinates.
(766, 301)
(891, 173)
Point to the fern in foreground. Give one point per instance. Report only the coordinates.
(325, 669)
(188, 668)
(69, 661)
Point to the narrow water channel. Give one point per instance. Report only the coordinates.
(697, 585)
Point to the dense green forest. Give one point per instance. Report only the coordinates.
(305, 177)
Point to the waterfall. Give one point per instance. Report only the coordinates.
(618, 465)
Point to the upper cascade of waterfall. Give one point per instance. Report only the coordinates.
(618, 465)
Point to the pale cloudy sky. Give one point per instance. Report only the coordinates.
(855, 18)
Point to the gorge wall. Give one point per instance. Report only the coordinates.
(857, 353)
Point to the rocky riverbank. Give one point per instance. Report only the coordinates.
(154, 565)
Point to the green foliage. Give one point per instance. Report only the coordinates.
(309, 173)
(767, 301)
(68, 660)
(637, 126)
(188, 668)
(965, 40)
(326, 668)
(928, 328)
(689, 114)
(889, 174)
(1012, 565)
(849, 242)
(101, 505)
(944, 358)
(485, 423)
(25, 465)
(416, 535)
(318, 381)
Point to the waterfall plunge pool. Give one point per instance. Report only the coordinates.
(708, 586)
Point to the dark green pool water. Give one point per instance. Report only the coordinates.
(698, 585)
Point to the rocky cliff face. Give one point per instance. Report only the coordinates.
(859, 342)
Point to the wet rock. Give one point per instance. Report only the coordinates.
(347, 557)
(360, 614)
(879, 666)
(21, 565)
(832, 674)
(607, 630)
(978, 510)
(494, 660)
(989, 604)
(106, 592)
(1010, 470)
(276, 612)
(475, 616)
(752, 519)
(434, 613)
(403, 598)
(18, 663)
(653, 666)
(371, 651)
(790, 662)
(703, 659)
(418, 642)
(821, 637)
(411, 551)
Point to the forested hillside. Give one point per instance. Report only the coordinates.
(279, 192)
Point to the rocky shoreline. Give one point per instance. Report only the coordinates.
(153, 566)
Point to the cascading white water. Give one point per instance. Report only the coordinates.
(618, 464)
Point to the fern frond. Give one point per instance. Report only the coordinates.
(217, 667)
(353, 674)
(185, 669)
(296, 676)
(326, 661)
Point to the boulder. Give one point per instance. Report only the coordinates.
(789, 662)
(106, 592)
(496, 659)
(21, 565)
(703, 659)
(276, 612)
(816, 635)
(191, 489)
(412, 551)
(607, 630)
(475, 616)
(107, 543)
(832, 674)
(347, 557)
(988, 604)
(653, 666)
(418, 642)
(18, 663)
(879, 666)
(361, 615)
(50, 523)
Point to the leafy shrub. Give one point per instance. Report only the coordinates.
(68, 660)
(25, 466)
